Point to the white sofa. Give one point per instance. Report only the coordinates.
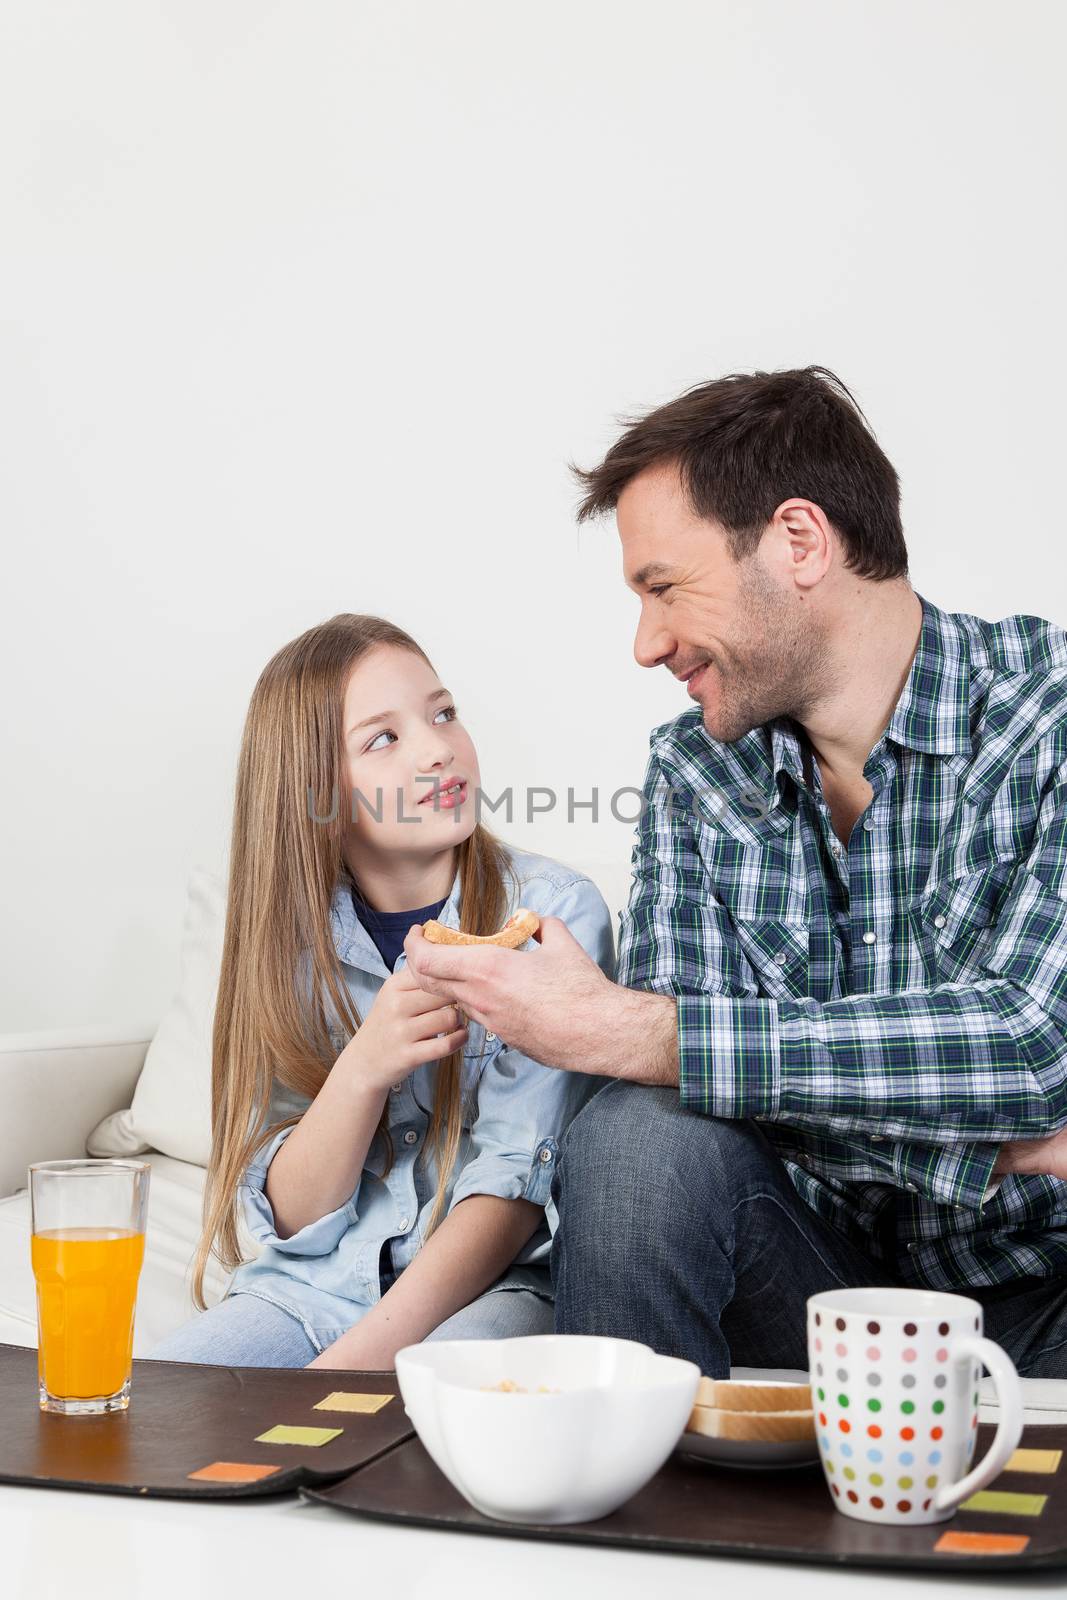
(58, 1087)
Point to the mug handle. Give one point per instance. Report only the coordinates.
(1009, 1428)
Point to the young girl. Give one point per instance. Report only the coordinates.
(403, 1188)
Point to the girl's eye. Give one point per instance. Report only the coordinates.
(387, 733)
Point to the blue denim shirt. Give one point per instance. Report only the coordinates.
(327, 1273)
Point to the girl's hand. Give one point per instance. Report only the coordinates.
(404, 1028)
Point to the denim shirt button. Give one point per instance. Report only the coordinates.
(397, 1087)
(411, 1137)
(490, 1035)
(545, 1156)
(404, 1224)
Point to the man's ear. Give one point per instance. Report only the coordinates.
(809, 538)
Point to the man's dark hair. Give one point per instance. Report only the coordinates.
(746, 442)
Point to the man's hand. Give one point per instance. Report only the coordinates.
(1047, 1156)
(554, 1004)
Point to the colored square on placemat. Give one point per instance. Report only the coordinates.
(281, 1433)
(1010, 1505)
(1035, 1461)
(232, 1472)
(345, 1400)
(983, 1544)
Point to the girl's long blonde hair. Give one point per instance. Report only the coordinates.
(291, 806)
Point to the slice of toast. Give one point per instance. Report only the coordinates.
(776, 1425)
(735, 1394)
(515, 932)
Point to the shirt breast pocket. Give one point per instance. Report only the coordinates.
(778, 951)
(956, 920)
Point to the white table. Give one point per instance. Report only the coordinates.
(61, 1545)
(58, 1544)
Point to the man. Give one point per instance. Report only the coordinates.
(839, 1033)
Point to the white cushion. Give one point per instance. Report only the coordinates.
(164, 1299)
(171, 1110)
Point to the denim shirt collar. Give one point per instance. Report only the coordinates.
(353, 943)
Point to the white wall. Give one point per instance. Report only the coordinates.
(306, 307)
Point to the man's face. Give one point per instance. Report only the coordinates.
(736, 632)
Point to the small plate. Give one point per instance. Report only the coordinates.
(764, 1453)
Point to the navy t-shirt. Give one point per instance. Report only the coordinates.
(389, 929)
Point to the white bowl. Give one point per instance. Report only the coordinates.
(550, 1458)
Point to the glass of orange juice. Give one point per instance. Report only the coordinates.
(87, 1245)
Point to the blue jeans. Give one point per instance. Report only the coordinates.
(246, 1331)
(685, 1233)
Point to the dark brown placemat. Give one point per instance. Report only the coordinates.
(184, 1416)
(715, 1511)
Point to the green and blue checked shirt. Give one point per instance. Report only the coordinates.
(892, 1010)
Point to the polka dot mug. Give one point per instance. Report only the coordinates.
(894, 1389)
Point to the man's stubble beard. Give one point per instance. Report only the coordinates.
(781, 668)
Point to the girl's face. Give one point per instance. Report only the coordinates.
(410, 760)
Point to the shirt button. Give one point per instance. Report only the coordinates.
(545, 1156)
(869, 938)
(397, 1087)
(490, 1035)
(411, 1137)
(939, 921)
(404, 1224)
(913, 1188)
(835, 849)
(878, 1138)
(869, 824)
(781, 958)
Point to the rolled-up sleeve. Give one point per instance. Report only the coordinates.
(524, 1107)
(316, 1238)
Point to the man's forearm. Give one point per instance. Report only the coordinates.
(653, 1020)
(959, 1062)
(639, 1038)
(471, 1248)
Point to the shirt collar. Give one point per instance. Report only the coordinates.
(786, 753)
(351, 940)
(933, 713)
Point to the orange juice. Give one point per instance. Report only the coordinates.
(86, 1294)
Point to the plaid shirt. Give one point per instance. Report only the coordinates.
(892, 1010)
